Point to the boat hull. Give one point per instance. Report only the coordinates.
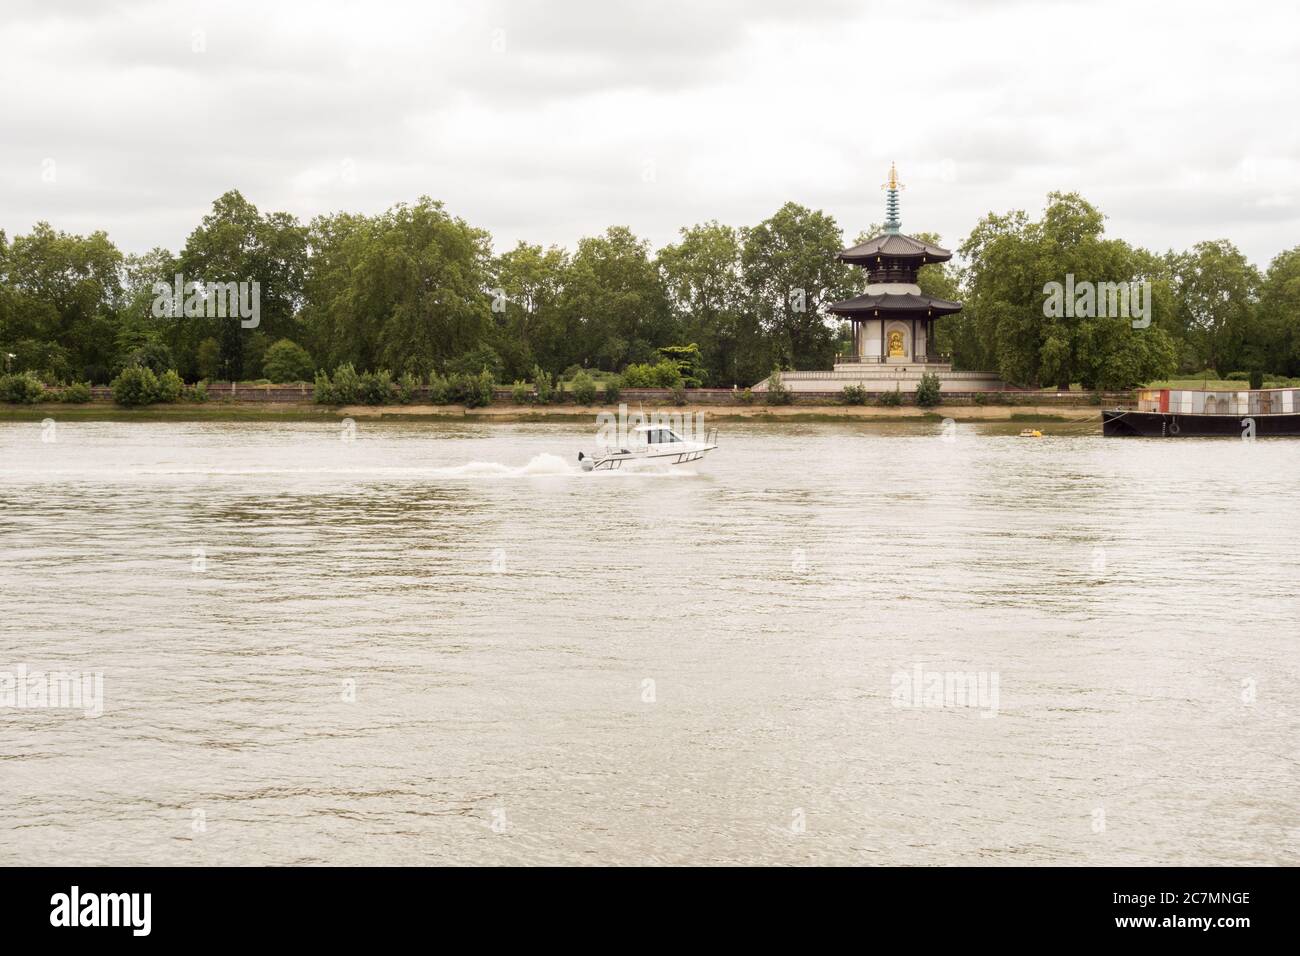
(1169, 425)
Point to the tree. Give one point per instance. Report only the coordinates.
(406, 290)
(528, 283)
(791, 273)
(287, 361)
(706, 291)
(208, 359)
(1013, 261)
(235, 243)
(1215, 291)
(615, 307)
(62, 292)
(1279, 313)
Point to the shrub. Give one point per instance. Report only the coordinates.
(78, 393)
(286, 361)
(169, 387)
(613, 388)
(854, 395)
(746, 397)
(679, 394)
(346, 385)
(135, 385)
(664, 374)
(521, 393)
(323, 392)
(777, 393)
(408, 386)
(22, 388)
(927, 390)
(472, 391)
(980, 398)
(1233, 377)
(892, 399)
(375, 388)
(584, 389)
(439, 389)
(543, 385)
(1257, 378)
(198, 392)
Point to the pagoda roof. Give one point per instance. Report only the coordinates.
(896, 246)
(867, 306)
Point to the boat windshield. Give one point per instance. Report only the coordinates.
(660, 436)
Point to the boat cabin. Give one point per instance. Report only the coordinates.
(1190, 401)
(656, 434)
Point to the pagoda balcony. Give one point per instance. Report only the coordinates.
(944, 358)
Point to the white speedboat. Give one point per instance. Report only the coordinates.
(651, 443)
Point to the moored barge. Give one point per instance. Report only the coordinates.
(1193, 413)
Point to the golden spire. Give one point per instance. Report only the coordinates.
(893, 179)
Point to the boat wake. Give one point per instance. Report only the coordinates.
(539, 466)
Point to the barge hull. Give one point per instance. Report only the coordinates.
(1168, 425)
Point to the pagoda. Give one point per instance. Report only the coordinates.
(893, 320)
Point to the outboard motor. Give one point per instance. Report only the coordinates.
(587, 463)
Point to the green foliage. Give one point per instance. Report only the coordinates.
(154, 356)
(323, 390)
(543, 386)
(169, 387)
(854, 395)
(472, 391)
(663, 374)
(927, 390)
(475, 361)
(1257, 379)
(613, 389)
(345, 385)
(197, 393)
(21, 388)
(375, 388)
(746, 396)
(980, 398)
(415, 289)
(892, 399)
(1011, 261)
(583, 388)
(78, 393)
(208, 359)
(678, 395)
(689, 363)
(791, 270)
(521, 393)
(135, 385)
(286, 361)
(777, 392)
(408, 387)
(439, 390)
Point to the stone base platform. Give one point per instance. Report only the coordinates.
(885, 378)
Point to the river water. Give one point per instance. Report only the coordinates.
(443, 643)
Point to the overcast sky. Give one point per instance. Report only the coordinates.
(549, 121)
